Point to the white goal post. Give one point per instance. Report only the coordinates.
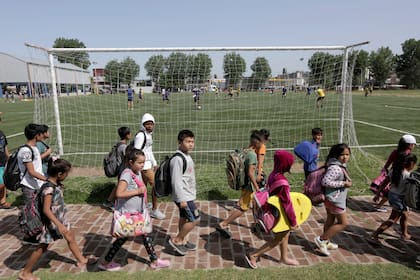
(83, 126)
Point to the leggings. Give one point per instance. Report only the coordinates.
(119, 242)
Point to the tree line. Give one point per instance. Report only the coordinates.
(179, 69)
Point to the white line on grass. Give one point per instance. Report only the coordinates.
(387, 128)
(405, 108)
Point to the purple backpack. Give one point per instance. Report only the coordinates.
(313, 186)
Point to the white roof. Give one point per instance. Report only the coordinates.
(22, 70)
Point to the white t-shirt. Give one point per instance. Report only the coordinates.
(24, 156)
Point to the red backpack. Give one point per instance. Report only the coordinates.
(313, 186)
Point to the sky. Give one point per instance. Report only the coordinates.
(203, 23)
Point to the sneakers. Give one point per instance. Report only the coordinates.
(190, 246)
(322, 245)
(331, 246)
(180, 249)
(111, 266)
(157, 214)
(108, 205)
(381, 209)
(159, 263)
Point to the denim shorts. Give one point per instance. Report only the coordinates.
(397, 202)
(190, 213)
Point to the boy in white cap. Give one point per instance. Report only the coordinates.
(144, 142)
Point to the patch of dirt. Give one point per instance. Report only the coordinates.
(86, 172)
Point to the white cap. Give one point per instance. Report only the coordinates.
(409, 139)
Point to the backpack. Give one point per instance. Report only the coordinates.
(163, 180)
(11, 176)
(266, 215)
(235, 169)
(31, 218)
(113, 162)
(130, 146)
(412, 188)
(312, 187)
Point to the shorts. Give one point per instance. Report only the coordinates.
(190, 213)
(1, 175)
(148, 176)
(332, 209)
(397, 202)
(245, 200)
(130, 99)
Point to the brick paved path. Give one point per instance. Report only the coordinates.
(92, 225)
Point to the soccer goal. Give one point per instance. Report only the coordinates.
(220, 93)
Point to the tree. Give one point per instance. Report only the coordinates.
(155, 67)
(199, 68)
(129, 70)
(261, 72)
(324, 69)
(360, 67)
(176, 70)
(234, 66)
(80, 59)
(408, 63)
(381, 64)
(123, 72)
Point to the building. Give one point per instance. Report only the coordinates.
(33, 77)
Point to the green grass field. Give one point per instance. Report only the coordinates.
(89, 125)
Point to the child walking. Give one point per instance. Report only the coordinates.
(403, 166)
(335, 182)
(250, 186)
(277, 184)
(406, 145)
(130, 195)
(184, 191)
(54, 216)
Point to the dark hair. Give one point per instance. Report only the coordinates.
(265, 133)
(402, 145)
(185, 133)
(316, 131)
(58, 165)
(336, 150)
(403, 161)
(43, 128)
(256, 135)
(32, 130)
(132, 154)
(123, 132)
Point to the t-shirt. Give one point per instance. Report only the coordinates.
(320, 92)
(183, 184)
(24, 156)
(134, 203)
(42, 147)
(250, 159)
(3, 144)
(130, 93)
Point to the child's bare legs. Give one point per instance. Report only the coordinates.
(281, 238)
(236, 213)
(333, 229)
(382, 202)
(393, 218)
(404, 226)
(74, 248)
(184, 227)
(26, 273)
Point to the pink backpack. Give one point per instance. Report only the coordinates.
(266, 215)
(313, 186)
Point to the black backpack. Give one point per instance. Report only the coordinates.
(130, 146)
(163, 185)
(11, 176)
(412, 188)
(113, 162)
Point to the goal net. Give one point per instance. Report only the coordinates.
(221, 94)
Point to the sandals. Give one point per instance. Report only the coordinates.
(251, 264)
(6, 205)
(224, 232)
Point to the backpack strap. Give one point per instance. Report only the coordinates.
(144, 141)
(184, 161)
